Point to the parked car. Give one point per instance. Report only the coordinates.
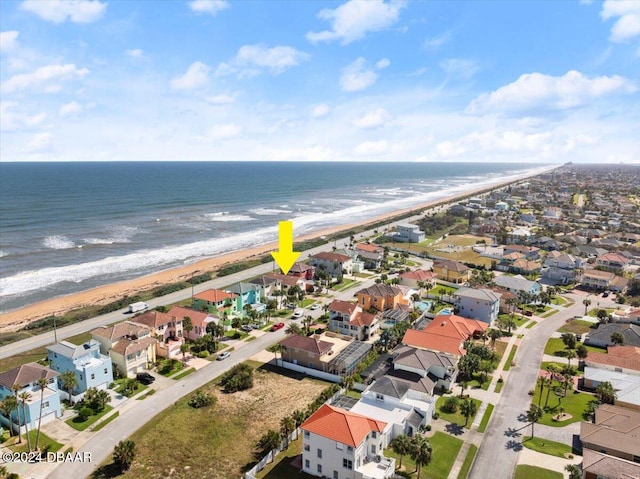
(246, 328)
(145, 378)
(224, 355)
(605, 294)
(315, 306)
(277, 326)
(254, 326)
(297, 315)
(291, 305)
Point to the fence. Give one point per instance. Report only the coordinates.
(271, 455)
(334, 378)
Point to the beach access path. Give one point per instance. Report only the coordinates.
(47, 338)
(501, 444)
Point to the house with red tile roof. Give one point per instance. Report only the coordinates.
(613, 262)
(349, 319)
(302, 270)
(446, 334)
(335, 440)
(199, 320)
(307, 351)
(167, 329)
(335, 264)
(451, 271)
(380, 297)
(624, 359)
(414, 278)
(216, 301)
(130, 346)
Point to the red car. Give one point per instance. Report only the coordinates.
(277, 326)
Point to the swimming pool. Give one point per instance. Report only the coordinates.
(445, 311)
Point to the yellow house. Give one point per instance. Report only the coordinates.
(380, 297)
(452, 271)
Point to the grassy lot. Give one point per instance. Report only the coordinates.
(79, 425)
(576, 326)
(169, 367)
(594, 312)
(43, 442)
(236, 334)
(559, 301)
(520, 320)
(37, 354)
(281, 468)
(485, 418)
(307, 302)
(532, 472)
(445, 451)
(139, 388)
(465, 255)
(354, 394)
(574, 404)
(546, 446)
(574, 366)
(346, 284)
(475, 384)
(556, 347)
(183, 373)
(363, 275)
(468, 460)
(456, 417)
(501, 347)
(512, 354)
(108, 420)
(225, 433)
(442, 289)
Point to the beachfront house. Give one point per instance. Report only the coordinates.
(45, 404)
(302, 270)
(248, 294)
(129, 345)
(339, 443)
(335, 264)
(199, 320)
(408, 233)
(480, 303)
(91, 368)
(217, 301)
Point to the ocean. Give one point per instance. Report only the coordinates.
(69, 227)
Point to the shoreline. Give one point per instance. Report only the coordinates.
(13, 320)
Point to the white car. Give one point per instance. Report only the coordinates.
(315, 306)
(297, 315)
(223, 356)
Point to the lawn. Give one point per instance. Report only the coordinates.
(561, 367)
(531, 324)
(545, 446)
(79, 425)
(520, 320)
(169, 367)
(594, 312)
(475, 383)
(499, 386)
(533, 472)
(574, 403)
(485, 418)
(576, 326)
(225, 433)
(500, 348)
(307, 302)
(107, 421)
(281, 467)
(445, 451)
(556, 347)
(183, 373)
(442, 289)
(558, 301)
(456, 417)
(512, 354)
(120, 386)
(346, 284)
(468, 460)
(43, 442)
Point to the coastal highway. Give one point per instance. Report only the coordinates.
(47, 338)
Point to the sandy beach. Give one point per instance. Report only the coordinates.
(13, 320)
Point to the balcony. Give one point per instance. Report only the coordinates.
(377, 467)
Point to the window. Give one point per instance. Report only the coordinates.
(339, 445)
(105, 370)
(45, 404)
(81, 377)
(93, 376)
(349, 448)
(319, 468)
(306, 434)
(306, 464)
(335, 475)
(307, 447)
(379, 397)
(347, 463)
(373, 434)
(373, 448)
(319, 453)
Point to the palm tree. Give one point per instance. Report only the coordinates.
(617, 338)
(42, 384)
(574, 471)
(293, 328)
(605, 393)
(541, 382)
(307, 323)
(401, 445)
(187, 326)
(269, 441)
(24, 397)
(16, 388)
(420, 452)
(184, 347)
(548, 382)
(571, 354)
(587, 303)
(534, 414)
(275, 349)
(468, 408)
(124, 454)
(494, 334)
(69, 381)
(298, 416)
(7, 405)
(287, 425)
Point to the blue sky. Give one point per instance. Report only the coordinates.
(539, 81)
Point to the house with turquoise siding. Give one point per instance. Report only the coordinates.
(248, 293)
(45, 403)
(91, 368)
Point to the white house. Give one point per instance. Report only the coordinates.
(342, 444)
(482, 304)
(408, 233)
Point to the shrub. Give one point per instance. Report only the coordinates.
(450, 405)
(85, 413)
(435, 415)
(238, 378)
(201, 399)
(203, 354)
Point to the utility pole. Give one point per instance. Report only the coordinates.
(55, 332)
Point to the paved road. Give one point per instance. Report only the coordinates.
(498, 454)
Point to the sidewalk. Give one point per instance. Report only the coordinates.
(538, 459)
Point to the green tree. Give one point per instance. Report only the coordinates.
(275, 349)
(238, 378)
(571, 354)
(293, 328)
(569, 339)
(617, 338)
(421, 452)
(42, 384)
(534, 414)
(184, 347)
(124, 454)
(7, 406)
(574, 471)
(287, 426)
(269, 441)
(587, 303)
(16, 388)
(187, 326)
(605, 393)
(401, 445)
(96, 399)
(69, 381)
(24, 397)
(582, 352)
(468, 408)
(494, 334)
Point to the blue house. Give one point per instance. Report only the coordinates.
(92, 369)
(248, 293)
(45, 403)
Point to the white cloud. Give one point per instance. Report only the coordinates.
(11, 120)
(627, 13)
(435, 43)
(211, 7)
(134, 53)
(70, 109)
(46, 77)
(357, 76)
(373, 119)
(220, 132)
(419, 72)
(59, 11)
(352, 21)
(40, 142)
(8, 40)
(312, 153)
(222, 99)
(252, 60)
(382, 63)
(372, 148)
(196, 76)
(459, 67)
(320, 111)
(536, 90)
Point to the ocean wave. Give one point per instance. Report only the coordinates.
(58, 242)
(226, 217)
(268, 211)
(120, 234)
(3, 254)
